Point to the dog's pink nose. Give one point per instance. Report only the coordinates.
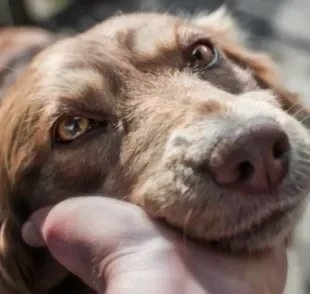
(252, 158)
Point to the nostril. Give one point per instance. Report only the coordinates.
(280, 148)
(246, 170)
(252, 158)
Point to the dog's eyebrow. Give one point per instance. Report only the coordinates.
(150, 40)
(80, 91)
(76, 82)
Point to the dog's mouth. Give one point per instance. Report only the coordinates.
(226, 218)
(273, 228)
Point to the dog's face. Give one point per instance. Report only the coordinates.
(168, 113)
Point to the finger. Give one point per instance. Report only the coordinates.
(76, 232)
(49, 227)
(32, 229)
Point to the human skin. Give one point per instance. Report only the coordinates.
(116, 248)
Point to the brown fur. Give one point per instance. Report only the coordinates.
(163, 119)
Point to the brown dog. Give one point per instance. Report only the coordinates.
(172, 114)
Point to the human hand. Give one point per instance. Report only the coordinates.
(115, 248)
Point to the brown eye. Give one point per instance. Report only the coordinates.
(204, 54)
(70, 128)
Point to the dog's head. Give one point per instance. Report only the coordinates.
(172, 114)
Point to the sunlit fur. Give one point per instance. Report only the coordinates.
(163, 119)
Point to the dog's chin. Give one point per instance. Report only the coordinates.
(262, 232)
(269, 232)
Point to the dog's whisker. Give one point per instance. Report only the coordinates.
(300, 110)
(292, 106)
(10, 69)
(305, 119)
(186, 224)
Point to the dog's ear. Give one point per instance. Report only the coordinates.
(14, 263)
(18, 46)
(18, 261)
(224, 31)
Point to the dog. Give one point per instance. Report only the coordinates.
(171, 113)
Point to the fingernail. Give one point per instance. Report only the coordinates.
(31, 235)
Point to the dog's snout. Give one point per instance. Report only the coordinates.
(252, 158)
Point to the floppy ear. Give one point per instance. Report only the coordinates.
(226, 34)
(16, 264)
(18, 46)
(14, 256)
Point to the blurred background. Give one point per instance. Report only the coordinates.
(280, 27)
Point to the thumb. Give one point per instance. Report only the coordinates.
(56, 228)
(82, 232)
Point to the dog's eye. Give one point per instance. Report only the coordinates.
(204, 55)
(69, 128)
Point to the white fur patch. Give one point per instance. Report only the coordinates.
(221, 22)
(150, 39)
